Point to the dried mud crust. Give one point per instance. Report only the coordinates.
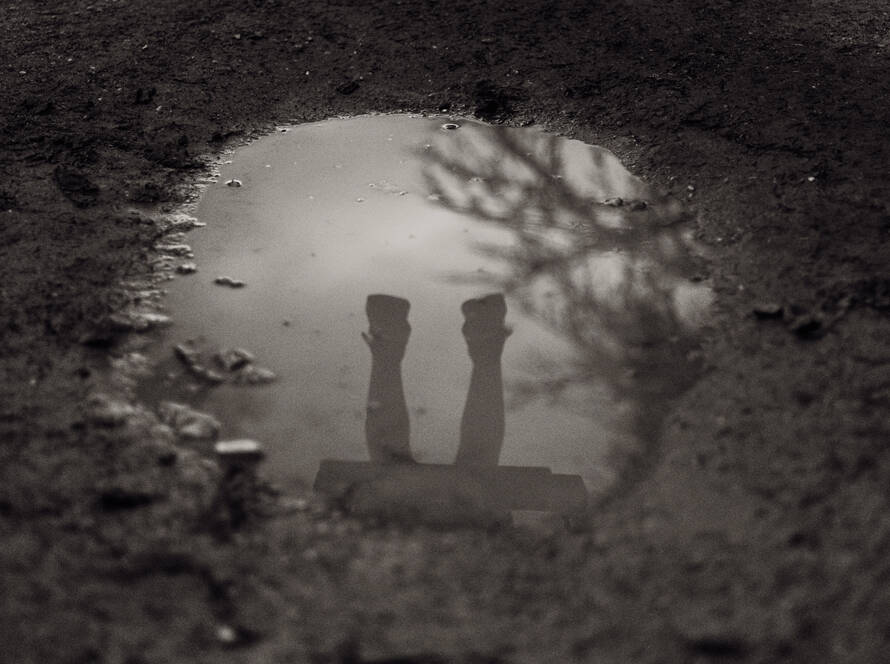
(757, 533)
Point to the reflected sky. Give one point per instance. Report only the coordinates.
(598, 302)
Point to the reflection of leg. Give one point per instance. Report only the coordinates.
(387, 430)
(482, 425)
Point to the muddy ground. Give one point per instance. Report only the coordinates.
(757, 531)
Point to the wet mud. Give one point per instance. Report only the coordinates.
(754, 528)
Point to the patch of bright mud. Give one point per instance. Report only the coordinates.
(527, 399)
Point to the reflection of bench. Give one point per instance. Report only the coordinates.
(492, 487)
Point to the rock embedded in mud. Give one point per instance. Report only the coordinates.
(233, 183)
(108, 411)
(239, 451)
(174, 249)
(188, 423)
(178, 222)
(187, 268)
(226, 634)
(228, 281)
(138, 321)
(232, 359)
(190, 357)
(251, 374)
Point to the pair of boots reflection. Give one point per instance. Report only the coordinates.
(387, 425)
(475, 489)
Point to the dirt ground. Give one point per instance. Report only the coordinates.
(758, 531)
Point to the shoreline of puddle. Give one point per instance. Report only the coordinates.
(316, 409)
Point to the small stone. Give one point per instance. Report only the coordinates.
(229, 281)
(232, 359)
(636, 206)
(616, 201)
(105, 410)
(240, 450)
(192, 361)
(207, 374)
(198, 430)
(187, 268)
(186, 353)
(187, 422)
(138, 321)
(450, 126)
(174, 249)
(766, 310)
(179, 222)
(226, 634)
(233, 183)
(254, 375)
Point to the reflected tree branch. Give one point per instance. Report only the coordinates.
(600, 271)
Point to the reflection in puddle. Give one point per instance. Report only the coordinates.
(551, 311)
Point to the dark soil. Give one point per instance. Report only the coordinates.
(757, 532)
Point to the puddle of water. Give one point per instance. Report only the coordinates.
(524, 301)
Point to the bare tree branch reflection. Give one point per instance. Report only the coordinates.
(594, 253)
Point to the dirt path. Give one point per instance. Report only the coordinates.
(759, 530)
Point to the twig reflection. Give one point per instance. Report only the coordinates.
(594, 254)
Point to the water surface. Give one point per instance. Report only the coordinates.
(587, 267)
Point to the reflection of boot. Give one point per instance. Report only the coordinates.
(388, 328)
(482, 424)
(484, 328)
(387, 429)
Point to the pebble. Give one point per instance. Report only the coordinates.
(186, 353)
(187, 268)
(192, 361)
(228, 281)
(105, 410)
(450, 126)
(188, 423)
(240, 450)
(174, 249)
(179, 222)
(254, 375)
(616, 201)
(232, 359)
(233, 183)
(226, 634)
(138, 321)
